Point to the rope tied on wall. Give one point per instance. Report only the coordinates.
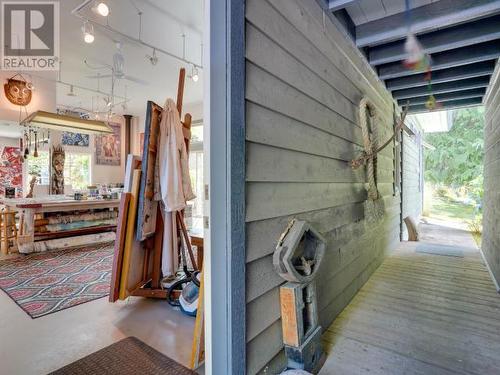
(367, 115)
(369, 156)
(374, 205)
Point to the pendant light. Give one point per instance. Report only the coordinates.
(194, 74)
(88, 32)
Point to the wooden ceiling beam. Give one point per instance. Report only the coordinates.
(459, 85)
(439, 14)
(463, 35)
(452, 104)
(441, 76)
(447, 59)
(334, 5)
(454, 95)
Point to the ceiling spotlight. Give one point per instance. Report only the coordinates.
(194, 74)
(102, 9)
(88, 32)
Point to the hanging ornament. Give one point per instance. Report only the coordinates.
(416, 58)
(35, 152)
(18, 91)
(26, 143)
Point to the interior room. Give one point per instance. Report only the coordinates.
(85, 187)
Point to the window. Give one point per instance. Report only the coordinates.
(39, 166)
(77, 170)
(196, 173)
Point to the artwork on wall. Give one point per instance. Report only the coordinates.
(11, 170)
(108, 147)
(57, 180)
(75, 139)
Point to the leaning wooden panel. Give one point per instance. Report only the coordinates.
(121, 228)
(130, 241)
(146, 218)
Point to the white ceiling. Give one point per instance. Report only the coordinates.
(163, 23)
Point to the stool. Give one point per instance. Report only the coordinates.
(8, 231)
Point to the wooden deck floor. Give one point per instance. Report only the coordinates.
(420, 313)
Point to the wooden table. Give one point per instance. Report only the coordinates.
(29, 207)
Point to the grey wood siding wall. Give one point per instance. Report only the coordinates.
(491, 201)
(412, 174)
(304, 84)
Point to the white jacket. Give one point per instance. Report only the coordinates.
(172, 161)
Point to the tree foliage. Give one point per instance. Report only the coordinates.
(457, 160)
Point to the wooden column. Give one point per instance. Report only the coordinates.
(128, 125)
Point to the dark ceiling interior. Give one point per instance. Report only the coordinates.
(461, 36)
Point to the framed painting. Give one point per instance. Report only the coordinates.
(108, 147)
(11, 170)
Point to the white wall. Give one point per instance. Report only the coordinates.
(100, 174)
(10, 142)
(43, 98)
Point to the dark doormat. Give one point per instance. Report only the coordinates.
(447, 250)
(129, 356)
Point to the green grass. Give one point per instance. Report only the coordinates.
(447, 209)
(450, 210)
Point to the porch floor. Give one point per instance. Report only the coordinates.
(421, 313)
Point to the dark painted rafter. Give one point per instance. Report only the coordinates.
(466, 34)
(447, 59)
(454, 95)
(445, 75)
(443, 13)
(334, 5)
(448, 105)
(459, 85)
(346, 22)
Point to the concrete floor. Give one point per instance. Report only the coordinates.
(37, 346)
(421, 313)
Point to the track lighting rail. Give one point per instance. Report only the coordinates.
(76, 12)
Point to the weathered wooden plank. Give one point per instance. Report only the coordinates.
(267, 200)
(439, 300)
(269, 127)
(376, 360)
(263, 348)
(266, 90)
(268, 55)
(309, 19)
(262, 236)
(263, 312)
(271, 164)
(266, 18)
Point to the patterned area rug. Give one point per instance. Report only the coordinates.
(44, 283)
